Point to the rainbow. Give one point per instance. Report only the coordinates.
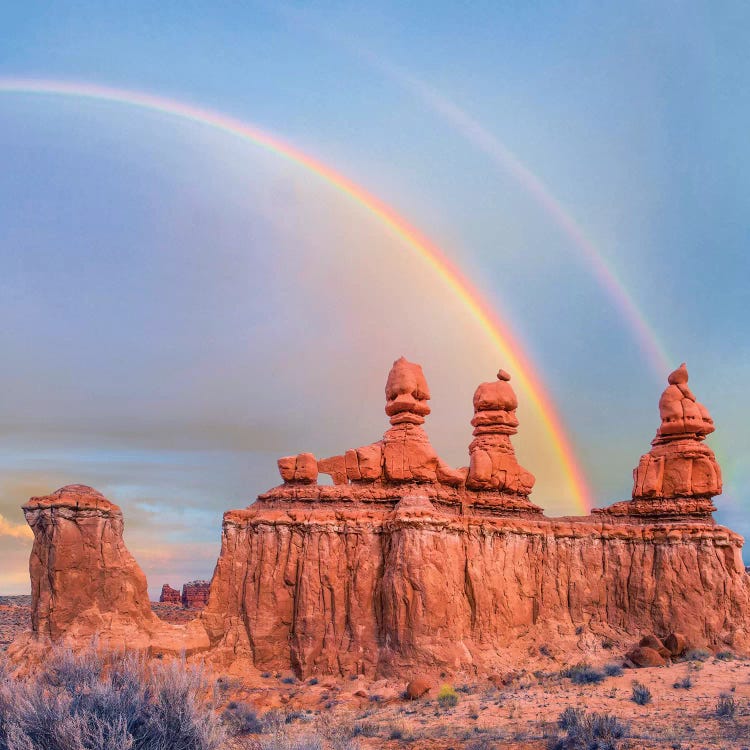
(481, 310)
(499, 154)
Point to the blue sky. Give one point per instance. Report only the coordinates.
(180, 308)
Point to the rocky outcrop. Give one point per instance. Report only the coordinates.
(195, 594)
(84, 582)
(169, 595)
(679, 475)
(405, 565)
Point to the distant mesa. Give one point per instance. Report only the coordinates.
(194, 594)
(406, 565)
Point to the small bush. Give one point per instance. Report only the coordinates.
(697, 654)
(289, 680)
(726, 706)
(570, 717)
(641, 694)
(589, 731)
(240, 718)
(725, 656)
(365, 729)
(583, 674)
(684, 684)
(544, 650)
(92, 702)
(613, 669)
(312, 681)
(447, 697)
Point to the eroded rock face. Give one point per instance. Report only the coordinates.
(169, 595)
(84, 581)
(195, 594)
(406, 566)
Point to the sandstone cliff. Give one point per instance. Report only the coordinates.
(406, 563)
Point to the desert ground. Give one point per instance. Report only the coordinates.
(700, 702)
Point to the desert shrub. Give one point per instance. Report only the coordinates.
(90, 702)
(366, 729)
(589, 731)
(241, 718)
(613, 669)
(641, 694)
(583, 674)
(289, 680)
(697, 654)
(726, 706)
(447, 697)
(725, 656)
(570, 717)
(684, 684)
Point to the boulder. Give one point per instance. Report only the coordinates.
(643, 656)
(676, 643)
(417, 688)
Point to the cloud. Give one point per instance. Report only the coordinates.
(17, 531)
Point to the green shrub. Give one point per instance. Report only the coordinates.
(613, 669)
(447, 697)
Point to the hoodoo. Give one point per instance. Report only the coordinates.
(406, 563)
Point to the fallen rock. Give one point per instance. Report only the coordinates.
(417, 688)
(676, 643)
(651, 641)
(643, 656)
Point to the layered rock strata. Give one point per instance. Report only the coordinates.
(169, 595)
(405, 563)
(195, 594)
(85, 584)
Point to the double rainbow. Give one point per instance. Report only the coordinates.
(511, 349)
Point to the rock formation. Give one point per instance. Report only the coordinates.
(169, 595)
(195, 594)
(679, 475)
(85, 583)
(406, 566)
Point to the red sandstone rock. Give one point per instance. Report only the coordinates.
(417, 688)
(678, 464)
(676, 643)
(85, 583)
(405, 572)
(651, 641)
(642, 656)
(493, 461)
(195, 594)
(169, 595)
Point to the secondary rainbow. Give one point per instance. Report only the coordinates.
(516, 360)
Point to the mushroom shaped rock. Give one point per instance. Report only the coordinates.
(493, 463)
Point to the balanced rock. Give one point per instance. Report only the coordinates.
(679, 465)
(493, 460)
